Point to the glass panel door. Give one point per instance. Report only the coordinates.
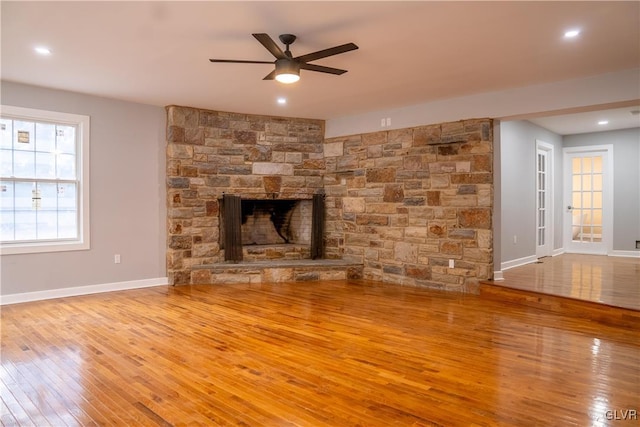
(586, 222)
(544, 231)
(586, 208)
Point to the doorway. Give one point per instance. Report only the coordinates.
(588, 194)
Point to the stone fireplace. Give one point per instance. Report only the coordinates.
(267, 161)
(401, 206)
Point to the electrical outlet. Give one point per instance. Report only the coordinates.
(452, 264)
(388, 121)
(383, 122)
(116, 259)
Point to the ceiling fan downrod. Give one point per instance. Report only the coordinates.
(287, 39)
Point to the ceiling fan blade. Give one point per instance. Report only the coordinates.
(270, 76)
(271, 46)
(240, 61)
(326, 52)
(322, 69)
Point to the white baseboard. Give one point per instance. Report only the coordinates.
(81, 290)
(518, 262)
(498, 276)
(628, 254)
(557, 252)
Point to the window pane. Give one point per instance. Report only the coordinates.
(597, 182)
(24, 165)
(47, 224)
(24, 195)
(586, 200)
(48, 195)
(66, 139)
(45, 137)
(25, 225)
(576, 200)
(597, 199)
(67, 224)
(6, 163)
(6, 210)
(575, 233)
(577, 183)
(6, 133)
(23, 135)
(45, 165)
(6, 195)
(597, 164)
(575, 165)
(66, 166)
(586, 183)
(577, 217)
(67, 197)
(586, 165)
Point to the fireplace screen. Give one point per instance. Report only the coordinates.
(273, 222)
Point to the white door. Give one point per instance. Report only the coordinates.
(589, 199)
(544, 199)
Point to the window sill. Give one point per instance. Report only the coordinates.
(42, 247)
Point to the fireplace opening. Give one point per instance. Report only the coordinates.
(274, 222)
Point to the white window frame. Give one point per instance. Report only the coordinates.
(82, 124)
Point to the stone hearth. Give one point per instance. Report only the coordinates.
(277, 271)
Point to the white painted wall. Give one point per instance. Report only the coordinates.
(518, 188)
(127, 198)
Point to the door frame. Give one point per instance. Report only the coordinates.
(607, 198)
(547, 249)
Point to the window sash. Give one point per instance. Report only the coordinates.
(42, 211)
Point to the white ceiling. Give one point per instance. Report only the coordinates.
(570, 124)
(410, 52)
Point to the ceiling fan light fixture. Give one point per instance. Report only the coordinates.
(287, 71)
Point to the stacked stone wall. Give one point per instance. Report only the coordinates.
(406, 202)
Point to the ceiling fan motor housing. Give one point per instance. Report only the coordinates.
(287, 66)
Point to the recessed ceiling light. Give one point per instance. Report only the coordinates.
(603, 122)
(571, 34)
(282, 101)
(42, 50)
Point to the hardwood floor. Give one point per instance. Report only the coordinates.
(341, 353)
(613, 281)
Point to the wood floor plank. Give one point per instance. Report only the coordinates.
(342, 353)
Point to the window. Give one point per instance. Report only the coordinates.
(44, 181)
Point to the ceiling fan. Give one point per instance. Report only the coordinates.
(287, 67)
